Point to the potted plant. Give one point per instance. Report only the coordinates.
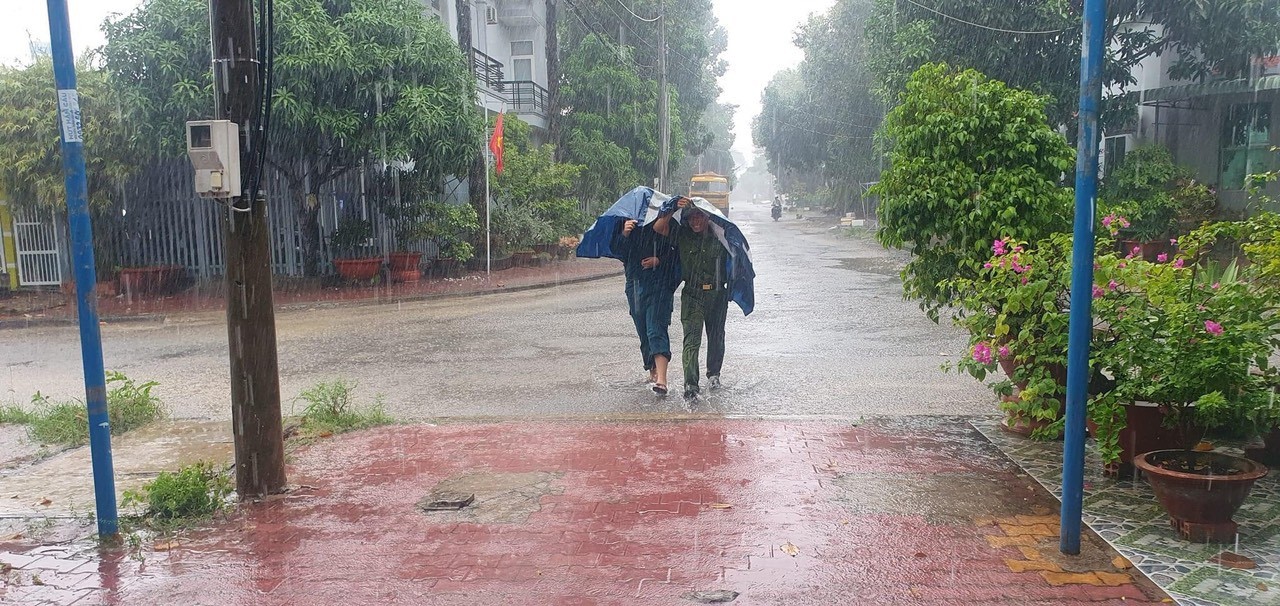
(1152, 201)
(352, 244)
(1017, 313)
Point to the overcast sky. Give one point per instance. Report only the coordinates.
(759, 42)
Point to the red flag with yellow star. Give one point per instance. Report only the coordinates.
(495, 145)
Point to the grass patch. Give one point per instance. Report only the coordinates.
(331, 408)
(196, 492)
(130, 405)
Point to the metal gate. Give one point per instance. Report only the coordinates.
(35, 235)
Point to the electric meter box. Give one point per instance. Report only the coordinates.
(214, 148)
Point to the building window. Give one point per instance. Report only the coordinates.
(1246, 143)
(1114, 149)
(522, 60)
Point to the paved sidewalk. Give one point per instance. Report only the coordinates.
(895, 511)
(55, 307)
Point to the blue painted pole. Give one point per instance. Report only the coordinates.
(1081, 328)
(95, 384)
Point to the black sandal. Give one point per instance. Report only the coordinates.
(660, 389)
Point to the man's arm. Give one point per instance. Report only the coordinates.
(663, 224)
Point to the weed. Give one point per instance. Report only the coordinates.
(331, 409)
(130, 405)
(194, 492)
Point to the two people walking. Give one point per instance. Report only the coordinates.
(656, 258)
(663, 242)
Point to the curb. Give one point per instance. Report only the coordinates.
(16, 323)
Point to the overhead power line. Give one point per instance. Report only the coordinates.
(633, 14)
(988, 27)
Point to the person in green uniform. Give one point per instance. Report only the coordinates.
(704, 302)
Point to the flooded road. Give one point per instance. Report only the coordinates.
(830, 337)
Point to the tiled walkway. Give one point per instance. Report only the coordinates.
(1127, 515)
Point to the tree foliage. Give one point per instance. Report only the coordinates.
(533, 179)
(30, 154)
(348, 74)
(972, 161)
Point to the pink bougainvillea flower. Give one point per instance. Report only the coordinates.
(1106, 221)
(1173, 241)
(982, 353)
(1112, 285)
(1212, 327)
(998, 247)
(1216, 285)
(986, 265)
(1098, 291)
(1004, 351)
(1024, 280)
(1179, 263)
(1161, 258)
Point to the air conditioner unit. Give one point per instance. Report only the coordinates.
(491, 14)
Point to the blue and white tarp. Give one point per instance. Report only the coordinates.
(742, 274)
(640, 204)
(643, 204)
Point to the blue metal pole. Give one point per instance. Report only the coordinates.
(1081, 328)
(95, 384)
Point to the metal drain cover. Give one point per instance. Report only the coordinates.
(446, 501)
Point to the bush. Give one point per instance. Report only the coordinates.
(130, 405)
(972, 161)
(196, 491)
(331, 408)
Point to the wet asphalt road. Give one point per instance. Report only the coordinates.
(830, 337)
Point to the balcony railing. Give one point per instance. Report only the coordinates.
(525, 96)
(487, 69)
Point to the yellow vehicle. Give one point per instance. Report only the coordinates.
(714, 188)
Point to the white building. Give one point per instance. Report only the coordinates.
(1223, 129)
(508, 54)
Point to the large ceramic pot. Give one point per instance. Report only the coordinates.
(403, 266)
(1144, 431)
(1200, 490)
(1269, 452)
(361, 270)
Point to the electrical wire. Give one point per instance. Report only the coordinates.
(633, 14)
(994, 29)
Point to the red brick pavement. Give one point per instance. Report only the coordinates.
(919, 511)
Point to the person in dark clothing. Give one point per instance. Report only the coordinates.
(652, 273)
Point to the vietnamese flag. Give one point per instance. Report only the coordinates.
(495, 145)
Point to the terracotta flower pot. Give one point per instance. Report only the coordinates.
(1144, 431)
(404, 261)
(361, 270)
(1200, 490)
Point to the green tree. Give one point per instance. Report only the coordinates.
(349, 73)
(972, 161)
(532, 178)
(30, 153)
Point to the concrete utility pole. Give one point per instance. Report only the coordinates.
(251, 320)
(664, 109)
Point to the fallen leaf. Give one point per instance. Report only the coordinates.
(921, 554)
(1262, 586)
(1204, 446)
(36, 580)
(1121, 563)
(790, 549)
(165, 546)
(720, 506)
(46, 502)
(326, 434)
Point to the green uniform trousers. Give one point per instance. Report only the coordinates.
(699, 310)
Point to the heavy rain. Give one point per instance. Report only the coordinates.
(639, 302)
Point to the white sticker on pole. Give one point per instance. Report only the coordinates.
(69, 110)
